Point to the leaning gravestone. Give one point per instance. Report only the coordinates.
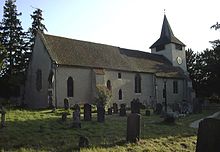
(76, 119)
(109, 111)
(208, 138)
(87, 112)
(115, 108)
(133, 127)
(100, 114)
(135, 106)
(122, 110)
(66, 104)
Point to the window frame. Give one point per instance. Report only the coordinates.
(70, 87)
(137, 85)
(120, 94)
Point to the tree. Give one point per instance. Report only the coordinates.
(12, 39)
(37, 25)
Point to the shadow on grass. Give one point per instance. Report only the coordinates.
(51, 134)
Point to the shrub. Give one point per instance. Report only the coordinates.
(103, 95)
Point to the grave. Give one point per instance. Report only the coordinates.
(109, 111)
(100, 114)
(2, 112)
(133, 127)
(66, 104)
(115, 108)
(87, 112)
(64, 117)
(208, 137)
(135, 106)
(76, 119)
(158, 109)
(76, 107)
(122, 110)
(147, 112)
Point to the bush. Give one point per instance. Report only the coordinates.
(103, 95)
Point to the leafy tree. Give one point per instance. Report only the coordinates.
(13, 39)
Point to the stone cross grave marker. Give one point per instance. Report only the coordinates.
(115, 108)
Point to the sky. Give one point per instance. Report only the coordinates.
(132, 24)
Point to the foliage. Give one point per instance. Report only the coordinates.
(36, 26)
(103, 95)
(41, 130)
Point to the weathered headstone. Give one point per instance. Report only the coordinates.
(147, 113)
(64, 117)
(208, 138)
(158, 109)
(66, 104)
(2, 112)
(133, 127)
(87, 112)
(76, 119)
(135, 106)
(109, 111)
(122, 110)
(100, 114)
(115, 108)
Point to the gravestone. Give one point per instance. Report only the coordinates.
(76, 107)
(83, 142)
(147, 113)
(208, 137)
(122, 110)
(76, 119)
(64, 117)
(133, 127)
(115, 108)
(100, 114)
(87, 112)
(109, 111)
(135, 106)
(158, 109)
(66, 104)
(2, 112)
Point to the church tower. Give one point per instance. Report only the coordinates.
(170, 47)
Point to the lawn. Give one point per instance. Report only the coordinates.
(41, 130)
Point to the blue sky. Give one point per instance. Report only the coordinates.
(126, 23)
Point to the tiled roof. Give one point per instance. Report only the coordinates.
(70, 52)
(166, 35)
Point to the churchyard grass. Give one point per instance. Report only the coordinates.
(41, 130)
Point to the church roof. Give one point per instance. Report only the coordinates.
(166, 35)
(70, 52)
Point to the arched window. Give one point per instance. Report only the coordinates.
(39, 80)
(120, 94)
(137, 81)
(70, 87)
(109, 86)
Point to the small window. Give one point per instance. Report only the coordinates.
(109, 86)
(120, 94)
(175, 87)
(39, 80)
(178, 46)
(137, 85)
(70, 87)
(119, 75)
(160, 47)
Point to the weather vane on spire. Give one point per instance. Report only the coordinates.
(164, 11)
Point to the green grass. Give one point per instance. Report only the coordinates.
(41, 130)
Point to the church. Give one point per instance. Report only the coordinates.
(67, 68)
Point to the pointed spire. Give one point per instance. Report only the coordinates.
(166, 35)
(166, 29)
